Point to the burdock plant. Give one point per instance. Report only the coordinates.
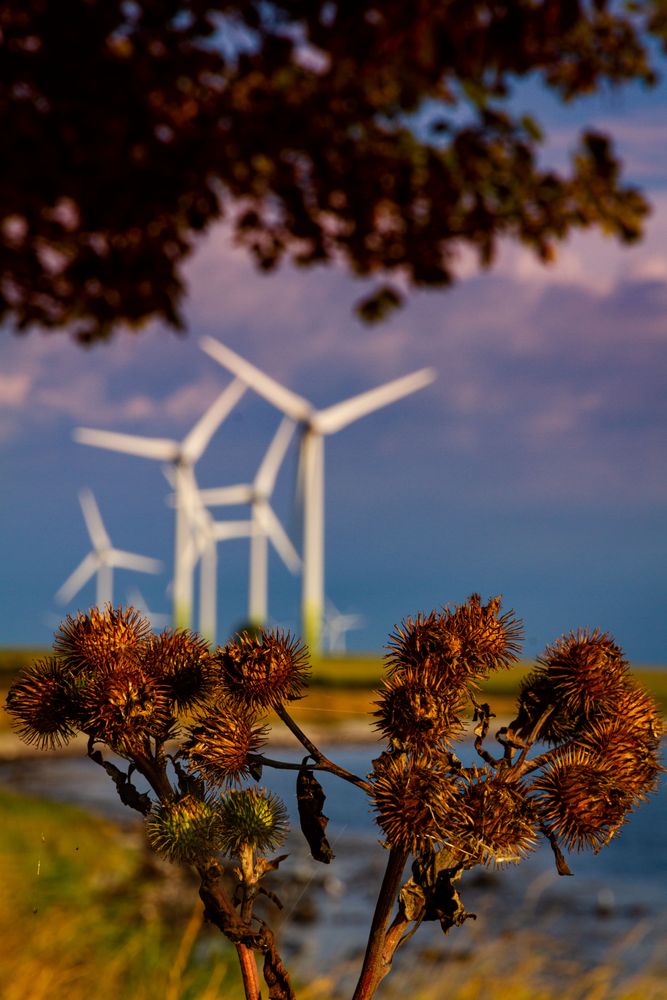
(580, 755)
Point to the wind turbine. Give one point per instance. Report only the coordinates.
(205, 534)
(265, 524)
(103, 558)
(337, 625)
(137, 600)
(315, 424)
(181, 456)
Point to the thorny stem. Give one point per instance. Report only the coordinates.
(321, 760)
(376, 966)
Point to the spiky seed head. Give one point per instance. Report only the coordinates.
(417, 714)
(413, 800)
(489, 640)
(421, 645)
(586, 670)
(252, 817)
(640, 714)
(494, 823)
(181, 660)
(219, 741)
(87, 642)
(536, 695)
(43, 702)
(263, 671)
(124, 706)
(184, 830)
(630, 758)
(579, 800)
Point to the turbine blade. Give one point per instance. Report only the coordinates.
(289, 402)
(279, 538)
(224, 530)
(161, 449)
(226, 496)
(267, 473)
(196, 441)
(91, 515)
(334, 418)
(76, 580)
(128, 560)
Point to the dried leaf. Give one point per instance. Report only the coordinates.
(127, 793)
(310, 800)
(433, 875)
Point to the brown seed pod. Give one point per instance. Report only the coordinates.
(537, 694)
(417, 714)
(494, 823)
(489, 640)
(88, 642)
(263, 671)
(44, 703)
(218, 743)
(421, 645)
(413, 800)
(640, 714)
(579, 800)
(180, 660)
(125, 707)
(587, 672)
(630, 758)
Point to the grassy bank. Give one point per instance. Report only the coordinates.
(85, 912)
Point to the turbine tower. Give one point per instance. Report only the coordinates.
(314, 425)
(205, 534)
(265, 524)
(181, 456)
(103, 558)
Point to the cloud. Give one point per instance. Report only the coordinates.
(14, 389)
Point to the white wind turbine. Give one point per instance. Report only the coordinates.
(315, 424)
(337, 625)
(265, 524)
(158, 619)
(181, 456)
(103, 558)
(205, 534)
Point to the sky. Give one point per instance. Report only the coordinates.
(533, 467)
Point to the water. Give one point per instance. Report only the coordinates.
(618, 894)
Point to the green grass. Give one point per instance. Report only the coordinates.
(84, 912)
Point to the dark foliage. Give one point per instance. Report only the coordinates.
(376, 134)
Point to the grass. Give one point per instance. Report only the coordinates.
(85, 912)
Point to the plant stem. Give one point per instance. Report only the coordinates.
(324, 765)
(322, 761)
(375, 967)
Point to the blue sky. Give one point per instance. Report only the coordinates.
(534, 467)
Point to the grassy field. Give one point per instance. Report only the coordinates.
(85, 912)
